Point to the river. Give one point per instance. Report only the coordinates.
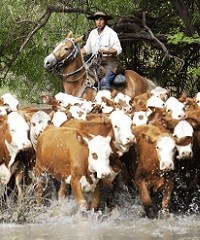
(62, 220)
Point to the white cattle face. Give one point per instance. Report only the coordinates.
(124, 137)
(140, 118)
(18, 129)
(176, 108)
(38, 123)
(88, 106)
(100, 99)
(99, 154)
(156, 102)
(102, 93)
(59, 118)
(78, 113)
(166, 149)
(124, 102)
(160, 92)
(198, 99)
(66, 99)
(185, 131)
(11, 101)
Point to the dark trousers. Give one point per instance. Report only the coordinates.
(105, 83)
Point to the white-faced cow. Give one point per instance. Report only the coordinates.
(75, 157)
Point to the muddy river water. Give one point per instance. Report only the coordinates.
(62, 221)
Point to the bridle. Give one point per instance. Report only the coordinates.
(71, 56)
(85, 65)
(62, 63)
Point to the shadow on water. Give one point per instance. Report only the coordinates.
(62, 220)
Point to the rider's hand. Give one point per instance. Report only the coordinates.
(103, 51)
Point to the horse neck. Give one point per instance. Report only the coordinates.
(74, 76)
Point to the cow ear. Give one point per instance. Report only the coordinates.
(108, 138)
(82, 139)
(147, 138)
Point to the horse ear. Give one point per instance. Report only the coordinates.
(79, 39)
(70, 34)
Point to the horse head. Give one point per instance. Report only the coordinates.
(63, 54)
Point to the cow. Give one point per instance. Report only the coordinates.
(175, 107)
(38, 123)
(76, 158)
(120, 123)
(154, 167)
(9, 100)
(160, 92)
(14, 140)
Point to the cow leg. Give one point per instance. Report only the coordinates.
(96, 198)
(78, 193)
(169, 185)
(18, 181)
(62, 190)
(39, 190)
(145, 198)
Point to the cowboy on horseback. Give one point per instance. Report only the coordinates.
(103, 41)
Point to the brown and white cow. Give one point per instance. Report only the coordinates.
(155, 164)
(75, 157)
(14, 139)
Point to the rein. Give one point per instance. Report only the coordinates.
(71, 57)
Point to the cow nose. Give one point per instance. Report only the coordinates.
(181, 116)
(187, 154)
(131, 139)
(26, 145)
(167, 166)
(104, 175)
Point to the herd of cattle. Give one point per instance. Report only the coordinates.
(149, 144)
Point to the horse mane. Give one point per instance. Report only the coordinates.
(151, 84)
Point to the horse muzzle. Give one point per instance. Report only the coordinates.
(50, 62)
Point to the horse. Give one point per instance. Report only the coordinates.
(66, 59)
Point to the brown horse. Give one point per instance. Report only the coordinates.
(67, 60)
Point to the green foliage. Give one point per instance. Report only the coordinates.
(181, 38)
(26, 73)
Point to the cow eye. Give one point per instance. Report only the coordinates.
(157, 148)
(116, 127)
(66, 49)
(94, 156)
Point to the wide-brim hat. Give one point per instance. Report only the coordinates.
(98, 15)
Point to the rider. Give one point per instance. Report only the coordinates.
(104, 40)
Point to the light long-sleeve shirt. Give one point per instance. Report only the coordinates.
(107, 39)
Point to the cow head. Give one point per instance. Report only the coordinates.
(165, 146)
(99, 154)
(124, 137)
(10, 101)
(183, 132)
(166, 150)
(38, 123)
(16, 137)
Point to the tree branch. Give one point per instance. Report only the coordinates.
(41, 22)
(165, 50)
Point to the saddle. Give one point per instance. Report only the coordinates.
(99, 73)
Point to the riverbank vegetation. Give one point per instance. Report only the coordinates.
(160, 40)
